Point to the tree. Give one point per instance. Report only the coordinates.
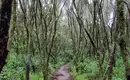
(121, 36)
(5, 16)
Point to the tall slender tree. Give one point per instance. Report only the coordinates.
(121, 34)
(5, 15)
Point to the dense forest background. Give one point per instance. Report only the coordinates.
(91, 36)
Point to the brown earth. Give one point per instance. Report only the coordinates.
(62, 73)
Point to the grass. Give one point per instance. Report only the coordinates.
(87, 69)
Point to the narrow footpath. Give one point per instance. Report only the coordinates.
(62, 73)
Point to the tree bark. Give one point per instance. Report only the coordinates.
(28, 67)
(5, 16)
(13, 22)
(108, 73)
(121, 33)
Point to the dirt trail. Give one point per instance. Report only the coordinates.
(62, 73)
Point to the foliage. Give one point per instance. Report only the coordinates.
(15, 66)
(88, 68)
(54, 32)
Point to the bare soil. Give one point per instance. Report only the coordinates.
(62, 73)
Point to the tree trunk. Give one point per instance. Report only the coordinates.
(28, 67)
(5, 16)
(121, 33)
(13, 22)
(27, 71)
(108, 73)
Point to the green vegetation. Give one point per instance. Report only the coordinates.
(88, 69)
(83, 39)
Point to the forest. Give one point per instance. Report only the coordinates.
(64, 40)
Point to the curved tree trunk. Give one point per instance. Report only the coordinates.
(5, 15)
(121, 33)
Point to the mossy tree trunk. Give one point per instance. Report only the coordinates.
(121, 33)
(5, 15)
(13, 23)
(108, 73)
